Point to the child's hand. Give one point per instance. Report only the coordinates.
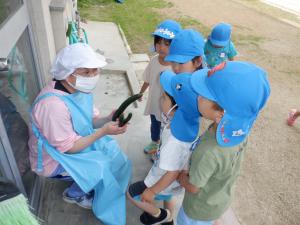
(148, 196)
(112, 128)
(183, 178)
(140, 99)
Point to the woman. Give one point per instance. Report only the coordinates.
(64, 144)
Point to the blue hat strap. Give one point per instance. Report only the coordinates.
(195, 144)
(198, 140)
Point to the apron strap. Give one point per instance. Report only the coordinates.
(40, 144)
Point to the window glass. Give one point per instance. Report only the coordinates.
(8, 7)
(18, 88)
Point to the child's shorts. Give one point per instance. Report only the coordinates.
(135, 190)
(183, 219)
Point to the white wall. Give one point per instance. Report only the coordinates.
(49, 29)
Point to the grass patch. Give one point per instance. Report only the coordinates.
(138, 18)
(247, 40)
(190, 22)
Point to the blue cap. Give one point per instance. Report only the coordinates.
(241, 89)
(185, 122)
(167, 29)
(220, 34)
(185, 46)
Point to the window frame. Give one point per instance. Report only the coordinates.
(12, 28)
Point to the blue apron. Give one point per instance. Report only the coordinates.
(101, 167)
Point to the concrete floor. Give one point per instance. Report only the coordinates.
(117, 82)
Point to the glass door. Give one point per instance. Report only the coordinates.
(19, 85)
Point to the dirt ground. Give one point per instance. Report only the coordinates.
(268, 190)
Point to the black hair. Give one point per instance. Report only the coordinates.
(158, 39)
(195, 59)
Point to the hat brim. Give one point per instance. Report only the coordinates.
(165, 81)
(198, 83)
(232, 130)
(179, 58)
(217, 42)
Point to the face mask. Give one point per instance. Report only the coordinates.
(166, 119)
(85, 84)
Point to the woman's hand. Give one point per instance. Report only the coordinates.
(148, 196)
(112, 128)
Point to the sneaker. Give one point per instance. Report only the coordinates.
(84, 201)
(151, 148)
(291, 117)
(148, 219)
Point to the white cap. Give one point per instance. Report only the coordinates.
(72, 57)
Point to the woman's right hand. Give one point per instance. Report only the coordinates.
(112, 128)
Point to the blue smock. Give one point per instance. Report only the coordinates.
(101, 167)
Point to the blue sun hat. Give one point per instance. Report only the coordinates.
(241, 89)
(220, 34)
(185, 46)
(185, 122)
(167, 29)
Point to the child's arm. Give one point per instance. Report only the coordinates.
(143, 89)
(149, 194)
(232, 52)
(183, 180)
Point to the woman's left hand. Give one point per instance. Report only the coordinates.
(112, 128)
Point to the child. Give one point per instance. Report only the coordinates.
(293, 115)
(163, 36)
(218, 47)
(186, 53)
(231, 95)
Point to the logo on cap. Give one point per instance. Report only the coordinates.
(178, 87)
(165, 32)
(237, 133)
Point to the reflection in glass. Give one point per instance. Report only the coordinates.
(8, 7)
(18, 88)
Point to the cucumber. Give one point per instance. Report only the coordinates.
(123, 121)
(121, 118)
(124, 105)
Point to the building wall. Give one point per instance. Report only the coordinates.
(49, 21)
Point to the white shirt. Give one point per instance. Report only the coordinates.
(151, 75)
(173, 155)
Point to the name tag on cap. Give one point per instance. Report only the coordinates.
(237, 133)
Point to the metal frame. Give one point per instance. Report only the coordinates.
(14, 26)
(7, 159)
